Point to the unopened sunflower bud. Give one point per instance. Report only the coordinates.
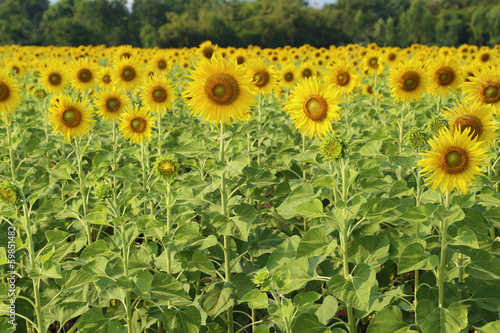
(167, 167)
(103, 190)
(10, 195)
(436, 124)
(261, 277)
(416, 138)
(332, 148)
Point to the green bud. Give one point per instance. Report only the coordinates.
(261, 277)
(437, 123)
(332, 148)
(167, 167)
(10, 195)
(103, 190)
(416, 138)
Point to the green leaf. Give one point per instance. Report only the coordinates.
(413, 257)
(408, 162)
(256, 299)
(245, 216)
(63, 170)
(312, 243)
(199, 262)
(99, 247)
(493, 327)
(356, 289)
(465, 236)
(243, 284)
(166, 287)
(434, 319)
(51, 269)
(303, 193)
(388, 320)
(283, 253)
(400, 189)
(62, 312)
(187, 320)
(306, 298)
(372, 148)
(308, 323)
(415, 214)
(218, 298)
(371, 250)
(74, 280)
(454, 214)
(485, 294)
(378, 206)
(56, 236)
(483, 265)
(6, 327)
(327, 309)
(143, 280)
(93, 321)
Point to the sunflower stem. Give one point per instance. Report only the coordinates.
(125, 254)
(159, 133)
(347, 115)
(438, 104)
(11, 153)
(304, 163)
(260, 129)
(227, 249)
(375, 88)
(169, 230)
(79, 157)
(144, 176)
(417, 231)
(400, 139)
(115, 162)
(442, 262)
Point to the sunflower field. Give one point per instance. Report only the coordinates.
(209, 189)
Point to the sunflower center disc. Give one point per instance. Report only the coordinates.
(106, 78)
(159, 94)
(342, 78)
(162, 64)
(261, 78)
(492, 93)
(485, 57)
(4, 91)
(468, 121)
(410, 81)
(454, 160)
(113, 104)
(71, 117)
(128, 73)
(208, 52)
(137, 125)
(307, 73)
(55, 79)
(289, 77)
(374, 62)
(445, 76)
(240, 60)
(315, 107)
(392, 57)
(222, 88)
(84, 75)
(166, 167)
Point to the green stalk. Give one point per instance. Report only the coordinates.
(31, 252)
(443, 228)
(260, 129)
(304, 163)
(227, 250)
(11, 153)
(438, 104)
(128, 310)
(144, 181)
(115, 162)
(79, 157)
(347, 115)
(400, 140)
(417, 231)
(159, 133)
(461, 268)
(169, 230)
(376, 93)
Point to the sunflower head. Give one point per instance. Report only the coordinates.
(263, 76)
(158, 93)
(416, 138)
(103, 190)
(167, 168)
(135, 124)
(333, 147)
(9, 93)
(70, 116)
(436, 124)
(10, 195)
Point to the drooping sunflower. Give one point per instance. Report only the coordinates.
(128, 73)
(444, 74)
(407, 81)
(111, 103)
(219, 91)
(82, 74)
(478, 118)
(372, 64)
(288, 75)
(264, 76)
(484, 88)
(343, 76)
(9, 93)
(53, 77)
(157, 93)
(455, 161)
(312, 106)
(73, 118)
(135, 124)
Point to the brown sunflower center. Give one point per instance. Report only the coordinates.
(409, 81)
(342, 78)
(306, 72)
(113, 104)
(454, 160)
(161, 64)
(468, 121)
(4, 92)
(159, 94)
(138, 124)
(222, 88)
(369, 89)
(240, 60)
(315, 107)
(485, 57)
(261, 78)
(444, 76)
(84, 75)
(373, 62)
(391, 57)
(55, 79)
(71, 117)
(126, 55)
(289, 77)
(490, 92)
(106, 78)
(208, 52)
(127, 73)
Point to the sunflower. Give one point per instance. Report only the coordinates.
(371, 63)
(82, 74)
(264, 76)
(444, 74)
(53, 77)
(124, 52)
(71, 117)
(111, 102)
(206, 50)
(9, 93)
(343, 76)
(455, 161)
(104, 77)
(407, 81)
(307, 69)
(136, 124)
(157, 93)
(484, 88)
(312, 106)
(288, 75)
(485, 57)
(160, 64)
(167, 167)
(476, 117)
(128, 73)
(220, 91)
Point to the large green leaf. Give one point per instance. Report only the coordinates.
(483, 265)
(285, 252)
(327, 309)
(166, 287)
(218, 298)
(435, 319)
(313, 243)
(187, 320)
(308, 323)
(62, 312)
(256, 299)
(370, 250)
(93, 321)
(388, 320)
(414, 257)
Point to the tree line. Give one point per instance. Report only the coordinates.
(238, 23)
